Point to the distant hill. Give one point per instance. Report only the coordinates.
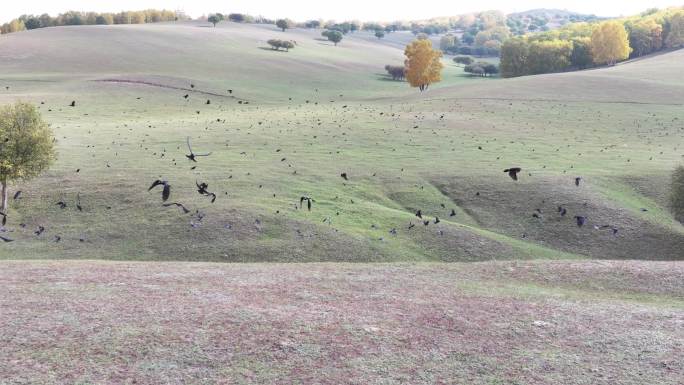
(543, 19)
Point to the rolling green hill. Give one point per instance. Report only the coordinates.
(295, 121)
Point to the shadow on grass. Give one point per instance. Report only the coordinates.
(273, 50)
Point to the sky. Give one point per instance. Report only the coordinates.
(363, 10)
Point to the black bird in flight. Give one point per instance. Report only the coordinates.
(580, 220)
(17, 195)
(344, 176)
(202, 189)
(73, 103)
(419, 214)
(185, 210)
(562, 211)
(513, 172)
(167, 188)
(308, 202)
(578, 180)
(192, 155)
(453, 213)
(62, 205)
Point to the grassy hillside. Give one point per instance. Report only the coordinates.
(295, 121)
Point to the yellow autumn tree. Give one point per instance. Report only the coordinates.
(423, 64)
(610, 43)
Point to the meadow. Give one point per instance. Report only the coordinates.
(286, 125)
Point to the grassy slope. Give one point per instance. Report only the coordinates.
(400, 153)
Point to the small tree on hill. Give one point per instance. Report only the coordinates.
(465, 60)
(396, 72)
(333, 35)
(677, 194)
(215, 19)
(26, 145)
(423, 64)
(284, 24)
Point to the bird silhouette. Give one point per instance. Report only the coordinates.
(513, 172)
(192, 155)
(578, 180)
(166, 192)
(344, 176)
(580, 220)
(308, 202)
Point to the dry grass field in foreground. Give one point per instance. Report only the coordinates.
(571, 322)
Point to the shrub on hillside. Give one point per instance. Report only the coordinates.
(677, 194)
(277, 44)
(396, 72)
(465, 60)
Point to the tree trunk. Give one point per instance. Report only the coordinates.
(3, 208)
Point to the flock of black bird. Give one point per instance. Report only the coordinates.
(202, 189)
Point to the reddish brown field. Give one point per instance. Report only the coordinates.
(577, 322)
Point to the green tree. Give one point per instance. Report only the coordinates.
(333, 35)
(465, 60)
(514, 57)
(675, 34)
(677, 194)
(548, 56)
(645, 36)
(284, 24)
(26, 145)
(215, 19)
(581, 53)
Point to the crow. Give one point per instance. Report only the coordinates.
(578, 180)
(580, 220)
(39, 230)
(419, 214)
(185, 211)
(308, 202)
(192, 155)
(73, 103)
(513, 172)
(17, 195)
(62, 205)
(344, 176)
(453, 213)
(167, 188)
